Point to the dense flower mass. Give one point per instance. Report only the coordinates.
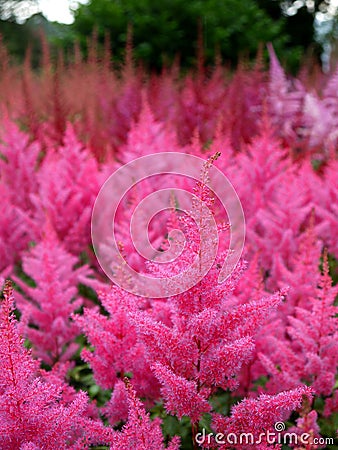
(85, 363)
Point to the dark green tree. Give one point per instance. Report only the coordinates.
(163, 29)
(17, 36)
(299, 18)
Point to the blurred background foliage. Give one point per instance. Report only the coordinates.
(163, 31)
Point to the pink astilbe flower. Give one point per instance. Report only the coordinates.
(285, 103)
(58, 376)
(140, 432)
(18, 181)
(330, 103)
(312, 345)
(156, 229)
(47, 307)
(147, 136)
(324, 195)
(126, 107)
(182, 397)
(204, 102)
(29, 446)
(18, 164)
(257, 416)
(68, 185)
(331, 404)
(316, 332)
(309, 123)
(281, 223)
(302, 275)
(307, 425)
(252, 284)
(275, 215)
(318, 121)
(15, 232)
(117, 407)
(263, 165)
(243, 104)
(30, 410)
(164, 95)
(116, 348)
(209, 339)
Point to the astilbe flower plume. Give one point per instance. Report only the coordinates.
(116, 350)
(147, 136)
(301, 275)
(31, 414)
(209, 339)
(18, 164)
(285, 101)
(140, 432)
(68, 183)
(257, 416)
(323, 191)
(47, 306)
(307, 425)
(15, 233)
(311, 343)
(274, 215)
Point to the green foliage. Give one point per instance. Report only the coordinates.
(172, 426)
(161, 30)
(221, 403)
(333, 268)
(19, 37)
(81, 377)
(328, 425)
(16, 37)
